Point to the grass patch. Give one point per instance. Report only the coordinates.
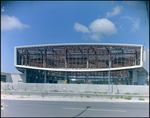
(88, 96)
(127, 93)
(43, 95)
(87, 92)
(128, 98)
(54, 91)
(135, 93)
(141, 98)
(117, 93)
(10, 93)
(81, 96)
(105, 93)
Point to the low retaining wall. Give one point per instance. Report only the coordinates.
(75, 87)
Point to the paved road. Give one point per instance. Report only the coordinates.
(26, 108)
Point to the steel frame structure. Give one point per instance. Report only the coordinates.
(78, 57)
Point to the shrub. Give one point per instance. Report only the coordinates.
(141, 98)
(116, 97)
(54, 91)
(10, 93)
(42, 94)
(128, 98)
(88, 96)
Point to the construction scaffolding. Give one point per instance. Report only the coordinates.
(79, 57)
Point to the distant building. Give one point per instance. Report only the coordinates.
(86, 62)
(12, 77)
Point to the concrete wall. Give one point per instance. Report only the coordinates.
(76, 87)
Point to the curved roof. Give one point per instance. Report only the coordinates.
(79, 44)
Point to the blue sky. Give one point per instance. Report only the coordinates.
(54, 22)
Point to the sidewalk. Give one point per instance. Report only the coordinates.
(82, 97)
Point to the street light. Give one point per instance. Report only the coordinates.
(109, 71)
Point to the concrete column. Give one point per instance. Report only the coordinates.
(25, 75)
(87, 78)
(65, 58)
(88, 58)
(129, 81)
(44, 76)
(66, 77)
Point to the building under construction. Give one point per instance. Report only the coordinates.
(83, 63)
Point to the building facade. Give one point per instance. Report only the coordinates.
(84, 63)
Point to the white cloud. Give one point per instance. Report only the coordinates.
(135, 25)
(97, 29)
(129, 18)
(103, 26)
(9, 23)
(96, 36)
(81, 28)
(117, 10)
(120, 26)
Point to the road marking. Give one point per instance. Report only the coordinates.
(96, 109)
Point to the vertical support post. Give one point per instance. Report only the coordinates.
(26, 57)
(25, 75)
(65, 58)
(129, 81)
(45, 76)
(88, 57)
(44, 60)
(66, 77)
(87, 78)
(22, 58)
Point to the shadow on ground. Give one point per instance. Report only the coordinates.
(82, 111)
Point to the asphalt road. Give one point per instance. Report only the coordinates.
(28, 108)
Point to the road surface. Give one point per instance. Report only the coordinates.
(28, 108)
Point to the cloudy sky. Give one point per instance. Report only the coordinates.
(54, 22)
